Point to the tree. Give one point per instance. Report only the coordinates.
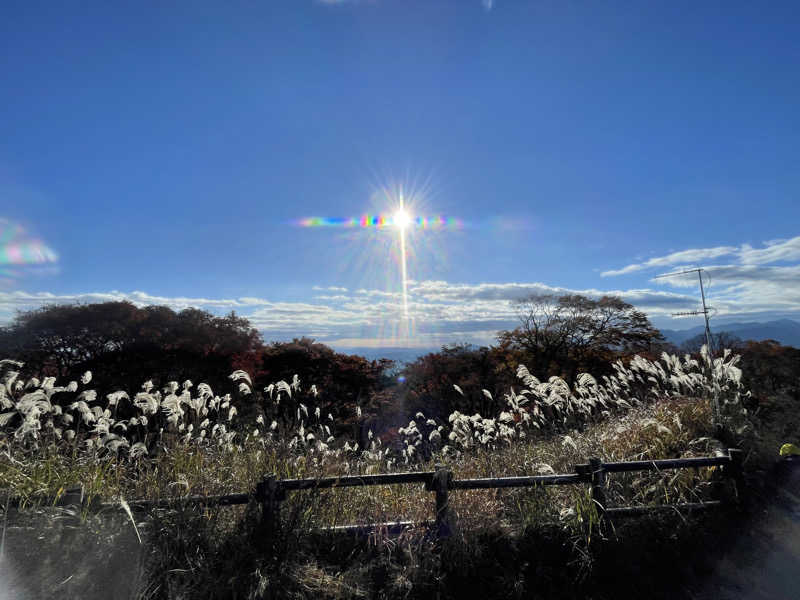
(127, 344)
(769, 369)
(54, 338)
(561, 335)
(429, 382)
(342, 381)
(720, 341)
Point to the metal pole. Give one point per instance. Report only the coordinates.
(709, 369)
(705, 313)
(717, 417)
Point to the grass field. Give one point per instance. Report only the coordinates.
(506, 543)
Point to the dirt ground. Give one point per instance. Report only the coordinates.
(763, 562)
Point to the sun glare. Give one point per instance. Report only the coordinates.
(407, 224)
(402, 219)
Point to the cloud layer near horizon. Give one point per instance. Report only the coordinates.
(755, 283)
(439, 312)
(749, 281)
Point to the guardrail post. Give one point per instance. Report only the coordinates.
(441, 484)
(598, 484)
(268, 495)
(734, 471)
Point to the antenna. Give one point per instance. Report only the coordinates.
(716, 411)
(706, 309)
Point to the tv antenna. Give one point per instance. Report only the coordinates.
(716, 417)
(688, 313)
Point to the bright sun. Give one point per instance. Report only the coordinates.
(402, 219)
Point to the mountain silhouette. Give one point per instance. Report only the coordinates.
(785, 331)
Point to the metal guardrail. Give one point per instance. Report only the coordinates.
(355, 480)
(270, 492)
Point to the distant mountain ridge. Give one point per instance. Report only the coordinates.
(785, 331)
(399, 355)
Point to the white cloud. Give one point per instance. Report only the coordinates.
(438, 311)
(774, 251)
(728, 274)
(690, 256)
(748, 285)
(380, 293)
(783, 250)
(19, 300)
(491, 293)
(443, 312)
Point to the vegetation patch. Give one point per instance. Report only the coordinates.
(186, 440)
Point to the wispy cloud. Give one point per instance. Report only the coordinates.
(751, 281)
(691, 256)
(438, 311)
(20, 299)
(773, 251)
(442, 311)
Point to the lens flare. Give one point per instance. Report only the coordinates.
(402, 222)
(28, 255)
(399, 219)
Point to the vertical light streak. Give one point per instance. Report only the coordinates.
(401, 325)
(403, 269)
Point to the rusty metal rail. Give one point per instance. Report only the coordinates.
(270, 492)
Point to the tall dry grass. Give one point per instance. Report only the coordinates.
(185, 440)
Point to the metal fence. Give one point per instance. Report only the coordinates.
(270, 492)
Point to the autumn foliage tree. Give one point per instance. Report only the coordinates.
(128, 344)
(564, 335)
(343, 382)
(719, 341)
(430, 382)
(769, 368)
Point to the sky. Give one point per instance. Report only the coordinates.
(175, 153)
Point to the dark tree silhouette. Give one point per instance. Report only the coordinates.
(342, 381)
(429, 381)
(719, 341)
(562, 335)
(127, 344)
(768, 368)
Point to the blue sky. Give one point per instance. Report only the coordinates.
(163, 152)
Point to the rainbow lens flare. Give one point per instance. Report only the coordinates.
(21, 251)
(400, 222)
(368, 221)
(26, 253)
(17, 249)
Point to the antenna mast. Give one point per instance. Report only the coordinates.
(703, 312)
(716, 415)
